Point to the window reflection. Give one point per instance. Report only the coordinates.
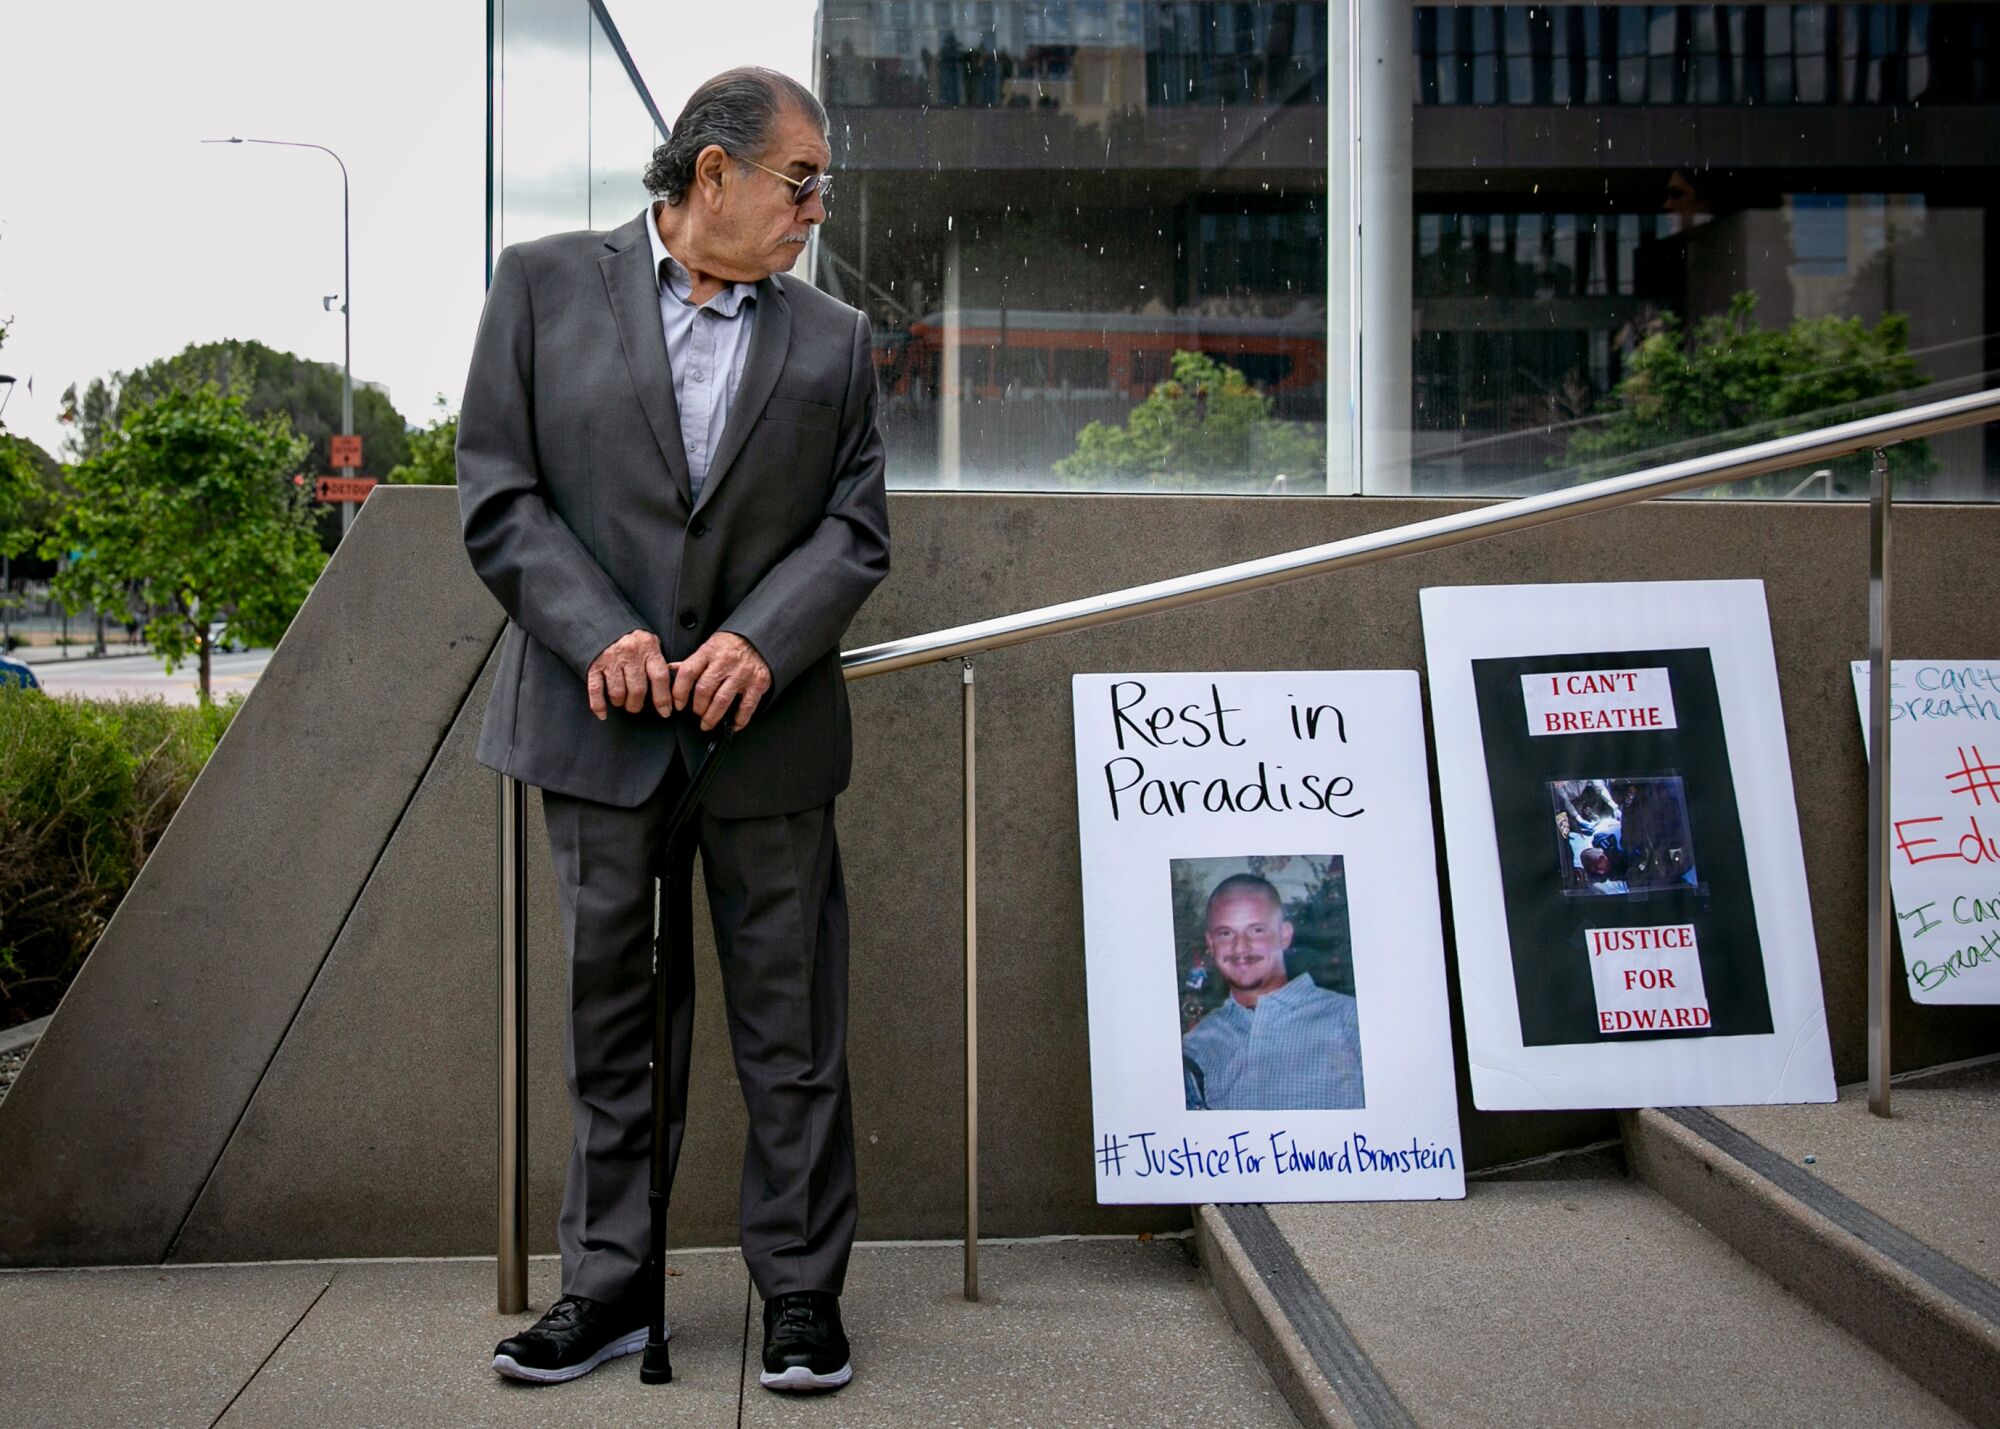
(571, 129)
(1091, 237)
(1705, 54)
(1646, 231)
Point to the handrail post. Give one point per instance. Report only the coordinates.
(1881, 907)
(511, 903)
(971, 856)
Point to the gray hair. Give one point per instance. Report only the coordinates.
(735, 110)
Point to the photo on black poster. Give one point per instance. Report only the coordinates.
(1616, 837)
(1629, 908)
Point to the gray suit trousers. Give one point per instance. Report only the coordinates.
(779, 911)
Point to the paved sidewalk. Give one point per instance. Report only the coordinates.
(1072, 1332)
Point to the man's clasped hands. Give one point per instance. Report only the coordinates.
(632, 673)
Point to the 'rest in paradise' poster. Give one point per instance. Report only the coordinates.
(1263, 955)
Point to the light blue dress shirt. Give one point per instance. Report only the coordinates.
(1299, 1049)
(706, 345)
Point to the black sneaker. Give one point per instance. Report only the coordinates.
(804, 1346)
(576, 1336)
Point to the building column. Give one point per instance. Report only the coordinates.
(1383, 260)
(950, 382)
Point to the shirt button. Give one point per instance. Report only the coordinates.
(688, 621)
(697, 374)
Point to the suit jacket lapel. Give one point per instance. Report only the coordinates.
(770, 339)
(634, 289)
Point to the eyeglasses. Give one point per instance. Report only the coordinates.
(804, 190)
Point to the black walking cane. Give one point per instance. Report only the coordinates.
(655, 1368)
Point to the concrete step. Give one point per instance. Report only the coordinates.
(1582, 1298)
(1889, 1228)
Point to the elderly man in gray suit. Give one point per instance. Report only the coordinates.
(670, 474)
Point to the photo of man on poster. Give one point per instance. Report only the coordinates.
(1277, 1040)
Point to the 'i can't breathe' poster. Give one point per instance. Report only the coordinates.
(1627, 883)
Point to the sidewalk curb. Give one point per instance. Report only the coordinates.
(14, 1038)
(74, 658)
(1874, 1291)
(1247, 1299)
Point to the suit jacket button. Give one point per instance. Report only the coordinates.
(696, 528)
(688, 621)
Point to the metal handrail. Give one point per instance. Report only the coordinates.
(1522, 514)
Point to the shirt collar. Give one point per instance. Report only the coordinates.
(677, 280)
(1296, 988)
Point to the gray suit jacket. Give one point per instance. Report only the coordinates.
(574, 497)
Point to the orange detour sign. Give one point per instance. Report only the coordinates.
(344, 452)
(343, 488)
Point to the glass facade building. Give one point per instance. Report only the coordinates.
(1294, 246)
(569, 123)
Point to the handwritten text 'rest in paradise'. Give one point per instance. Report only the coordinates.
(1139, 724)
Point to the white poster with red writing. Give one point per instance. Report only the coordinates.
(1263, 945)
(1944, 815)
(1627, 884)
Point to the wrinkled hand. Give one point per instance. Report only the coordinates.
(726, 667)
(627, 673)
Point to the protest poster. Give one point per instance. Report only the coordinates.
(1628, 889)
(1944, 820)
(1263, 950)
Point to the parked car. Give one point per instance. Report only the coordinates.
(17, 674)
(221, 640)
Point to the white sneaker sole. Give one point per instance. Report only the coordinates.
(798, 1379)
(630, 1344)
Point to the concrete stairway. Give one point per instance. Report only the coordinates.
(1769, 1265)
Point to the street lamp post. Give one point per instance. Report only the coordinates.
(346, 297)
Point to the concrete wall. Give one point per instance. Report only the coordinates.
(283, 1045)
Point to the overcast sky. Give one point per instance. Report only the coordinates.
(123, 238)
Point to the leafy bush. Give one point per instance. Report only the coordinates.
(86, 789)
(1730, 377)
(1204, 428)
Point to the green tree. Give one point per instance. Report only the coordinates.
(1203, 428)
(30, 489)
(19, 492)
(433, 453)
(191, 502)
(269, 382)
(1733, 377)
(20, 487)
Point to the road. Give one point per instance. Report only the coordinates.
(129, 675)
